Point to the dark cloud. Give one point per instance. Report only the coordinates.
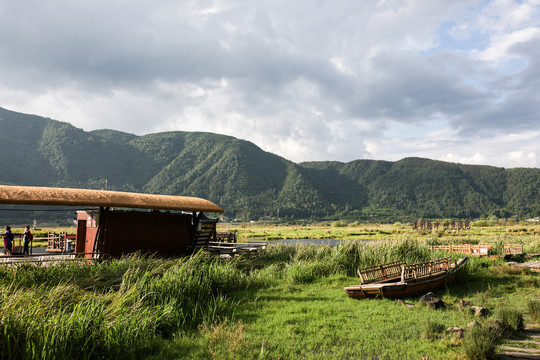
(409, 88)
(308, 80)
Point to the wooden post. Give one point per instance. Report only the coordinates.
(361, 277)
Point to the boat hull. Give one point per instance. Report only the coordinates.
(399, 289)
(396, 290)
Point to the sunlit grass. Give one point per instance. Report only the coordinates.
(113, 309)
(283, 302)
(317, 321)
(528, 235)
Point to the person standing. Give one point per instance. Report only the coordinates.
(27, 237)
(8, 241)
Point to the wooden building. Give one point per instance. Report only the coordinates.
(121, 222)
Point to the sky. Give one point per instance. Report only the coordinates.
(309, 80)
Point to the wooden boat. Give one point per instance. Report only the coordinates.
(399, 280)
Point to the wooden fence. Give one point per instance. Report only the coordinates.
(480, 249)
(512, 249)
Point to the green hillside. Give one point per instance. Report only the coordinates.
(250, 183)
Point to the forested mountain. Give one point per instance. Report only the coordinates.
(250, 183)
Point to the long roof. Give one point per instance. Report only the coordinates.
(31, 195)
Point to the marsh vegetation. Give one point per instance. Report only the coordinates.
(284, 302)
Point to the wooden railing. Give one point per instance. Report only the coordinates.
(57, 242)
(226, 236)
(201, 239)
(480, 249)
(512, 249)
(425, 269)
(380, 272)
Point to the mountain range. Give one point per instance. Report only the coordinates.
(249, 183)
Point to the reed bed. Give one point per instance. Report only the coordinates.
(115, 308)
(125, 308)
(356, 231)
(119, 307)
(307, 262)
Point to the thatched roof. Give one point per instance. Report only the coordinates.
(29, 195)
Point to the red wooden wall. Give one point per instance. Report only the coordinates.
(130, 231)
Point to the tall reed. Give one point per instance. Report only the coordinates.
(120, 308)
(112, 309)
(303, 263)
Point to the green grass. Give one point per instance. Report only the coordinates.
(117, 308)
(533, 306)
(317, 321)
(286, 302)
(354, 231)
(511, 318)
(480, 343)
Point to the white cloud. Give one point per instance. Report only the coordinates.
(308, 80)
(523, 160)
(500, 16)
(476, 159)
(499, 49)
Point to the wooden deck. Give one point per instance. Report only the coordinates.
(235, 249)
(44, 258)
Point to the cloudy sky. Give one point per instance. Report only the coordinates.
(309, 80)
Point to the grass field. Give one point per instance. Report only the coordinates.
(527, 234)
(356, 231)
(286, 302)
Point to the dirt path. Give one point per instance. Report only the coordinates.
(526, 348)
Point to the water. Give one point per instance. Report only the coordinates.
(330, 242)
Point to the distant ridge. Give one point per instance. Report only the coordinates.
(249, 183)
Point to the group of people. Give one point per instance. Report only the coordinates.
(8, 240)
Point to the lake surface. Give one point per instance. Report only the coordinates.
(330, 242)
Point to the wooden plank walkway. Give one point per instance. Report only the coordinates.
(34, 259)
(232, 249)
(533, 264)
(527, 349)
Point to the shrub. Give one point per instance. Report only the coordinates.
(432, 330)
(482, 223)
(534, 309)
(339, 224)
(480, 343)
(511, 318)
